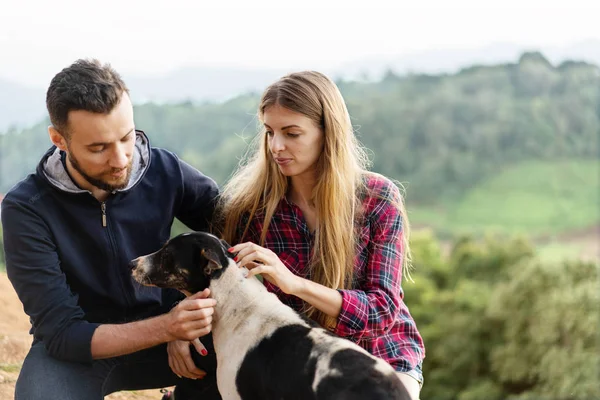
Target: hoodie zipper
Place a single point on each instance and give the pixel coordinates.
(113, 248)
(103, 208)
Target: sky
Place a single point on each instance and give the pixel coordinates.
(40, 37)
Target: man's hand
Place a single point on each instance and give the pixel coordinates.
(189, 320)
(180, 358)
(192, 317)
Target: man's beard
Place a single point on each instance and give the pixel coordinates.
(97, 182)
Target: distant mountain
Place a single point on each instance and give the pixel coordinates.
(24, 106)
(452, 60)
(199, 84)
(20, 106)
(429, 62)
(587, 50)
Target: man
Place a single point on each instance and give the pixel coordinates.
(100, 197)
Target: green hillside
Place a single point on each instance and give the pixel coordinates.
(509, 148)
(534, 198)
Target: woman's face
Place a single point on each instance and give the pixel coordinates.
(295, 141)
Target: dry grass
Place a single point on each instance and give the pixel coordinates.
(15, 341)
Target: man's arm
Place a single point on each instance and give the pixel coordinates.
(198, 199)
(189, 320)
(33, 267)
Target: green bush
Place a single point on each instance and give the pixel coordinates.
(498, 323)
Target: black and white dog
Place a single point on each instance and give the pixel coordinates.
(264, 349)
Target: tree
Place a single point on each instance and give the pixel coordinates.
(498, 324)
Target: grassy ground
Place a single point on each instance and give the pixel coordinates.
(556, 251)
(534, 198)
(15, 342)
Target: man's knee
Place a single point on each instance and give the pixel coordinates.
(43, 377)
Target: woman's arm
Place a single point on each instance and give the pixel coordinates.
(372, 309)
(321, 297)
(369, 310)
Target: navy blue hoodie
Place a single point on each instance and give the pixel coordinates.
(67, 254)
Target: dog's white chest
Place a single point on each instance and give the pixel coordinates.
(244, 317)
(231, 348)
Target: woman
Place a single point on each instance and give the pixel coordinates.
(329, 237)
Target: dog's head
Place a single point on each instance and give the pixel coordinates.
(187, 263)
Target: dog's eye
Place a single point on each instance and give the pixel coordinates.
(164, 257)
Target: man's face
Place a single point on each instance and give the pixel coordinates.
(100, 146)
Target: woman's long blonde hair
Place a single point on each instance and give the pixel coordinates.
(258, 186)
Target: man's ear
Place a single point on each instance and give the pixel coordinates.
(57, 138)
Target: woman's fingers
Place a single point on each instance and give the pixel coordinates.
(199, 347)
(245, 250)
(255, 255)
(239, 247)
(191, 370)
(252, 258)
(256, 259)
(172, 365)
(255, 271)
(266, 271)
(242, 250)
(177, 367)
(180, 359)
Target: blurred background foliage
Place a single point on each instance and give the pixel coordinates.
(500, 166)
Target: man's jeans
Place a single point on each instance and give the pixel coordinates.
(45, 378)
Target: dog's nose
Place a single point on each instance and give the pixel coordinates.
(132, 265)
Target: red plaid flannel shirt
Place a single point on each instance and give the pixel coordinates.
(373, 313)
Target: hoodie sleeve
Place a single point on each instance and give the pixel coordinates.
(33, 267)
(198, 199)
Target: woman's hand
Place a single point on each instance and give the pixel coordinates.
(263, 261)
(180, 358)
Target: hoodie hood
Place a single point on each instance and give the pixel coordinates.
(54, 169)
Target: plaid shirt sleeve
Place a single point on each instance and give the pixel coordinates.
(372, 309)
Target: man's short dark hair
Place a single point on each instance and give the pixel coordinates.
(84, 85)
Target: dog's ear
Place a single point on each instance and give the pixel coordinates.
(225, 245)
(214, 261)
